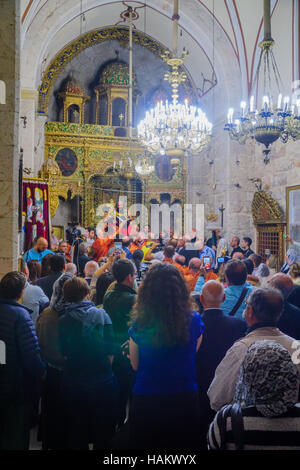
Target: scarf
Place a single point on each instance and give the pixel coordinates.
(268, 379)
(58, 303)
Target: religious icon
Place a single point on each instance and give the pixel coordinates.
(39, 204)
(67, 161)
(29, 204)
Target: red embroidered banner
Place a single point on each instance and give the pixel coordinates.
(35, 212)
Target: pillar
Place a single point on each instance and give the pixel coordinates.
(9, 134)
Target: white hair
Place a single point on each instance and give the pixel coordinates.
(71, 268)
(90, 268)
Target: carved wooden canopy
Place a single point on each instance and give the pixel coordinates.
(265, 209)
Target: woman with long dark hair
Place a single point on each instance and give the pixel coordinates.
(35, 270)
(164, 338)
(103, 282)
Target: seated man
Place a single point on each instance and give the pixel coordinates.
(262, 312)
(169, 256)
(139, 242)
(193, 272)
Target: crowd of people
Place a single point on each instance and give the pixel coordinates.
(143, 343)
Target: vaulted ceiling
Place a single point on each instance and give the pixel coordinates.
(221, 35)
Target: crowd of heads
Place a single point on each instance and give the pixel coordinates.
(167, 270)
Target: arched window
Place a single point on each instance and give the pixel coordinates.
(73, 113)
(118, 110)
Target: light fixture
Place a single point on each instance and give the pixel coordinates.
(143, 167)
(275, 119)
(174, 128)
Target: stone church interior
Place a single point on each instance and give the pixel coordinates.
(150, 206)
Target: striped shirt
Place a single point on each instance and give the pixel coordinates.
(260, 433)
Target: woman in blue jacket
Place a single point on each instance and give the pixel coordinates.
(164, 338)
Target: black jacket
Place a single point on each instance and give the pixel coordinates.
(294, 297)
(289, 321)
(23, 364)
(46, 283)
(220, 332)
(118, 303)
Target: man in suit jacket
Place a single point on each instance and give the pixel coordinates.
(57, 267)
(221, 331)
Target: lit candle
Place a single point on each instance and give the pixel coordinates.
(265, 103)
(243, 106)
(286, 102)
(230, 115)
(251, 104)
(279, 101)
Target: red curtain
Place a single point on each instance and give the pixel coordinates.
(35, 212)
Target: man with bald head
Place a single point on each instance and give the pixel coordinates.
(193, 272)
(39, 250)
(289, 322)
(221, 331)
(89, 270)
(71, 268)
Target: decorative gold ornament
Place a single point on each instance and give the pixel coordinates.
(212, 217)
(265, 209)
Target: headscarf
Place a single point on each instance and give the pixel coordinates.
(58, 303)
(268, 379)
(292, 256)
(263, 270)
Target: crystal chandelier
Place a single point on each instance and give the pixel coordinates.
(174, 128)
(143, 167)
(274, 120)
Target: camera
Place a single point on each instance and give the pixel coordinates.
(72, 233)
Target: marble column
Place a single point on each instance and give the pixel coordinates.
(9, 134)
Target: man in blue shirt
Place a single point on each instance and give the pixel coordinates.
(206, 252)
(39, 250)
(236, 275)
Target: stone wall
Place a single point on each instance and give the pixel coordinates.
(9, 134)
